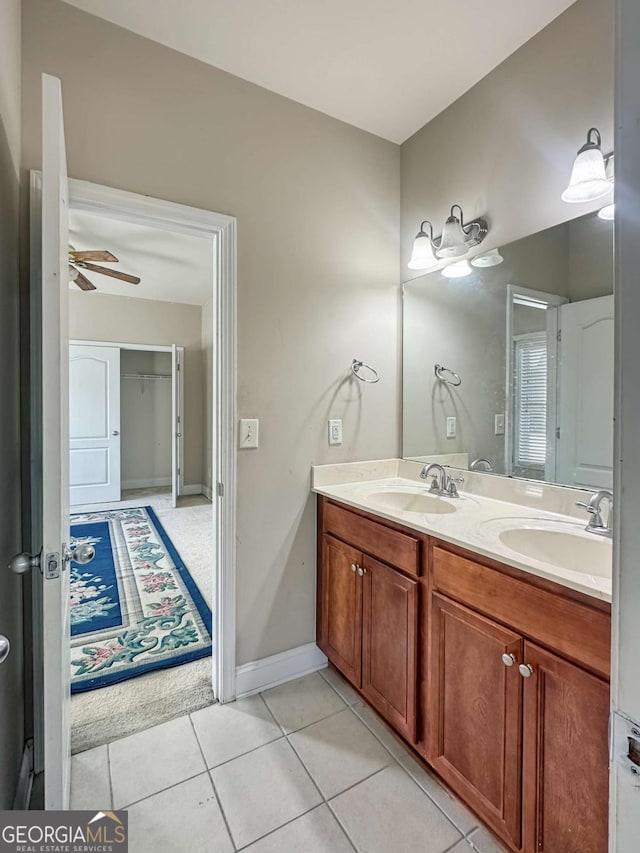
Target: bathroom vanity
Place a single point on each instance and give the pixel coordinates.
(466, 625)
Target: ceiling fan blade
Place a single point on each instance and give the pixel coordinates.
(79, 279)
(97, 255)
(123, 276)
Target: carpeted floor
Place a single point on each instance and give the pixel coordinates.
(113, 712)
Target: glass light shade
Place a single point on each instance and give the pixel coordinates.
(588, 176)
(452, 243)
(489, 259)
(608, 212)
(422, 257)
(459, 269)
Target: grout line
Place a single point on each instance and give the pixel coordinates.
(215, 792)
(286, 823)
(162, 790)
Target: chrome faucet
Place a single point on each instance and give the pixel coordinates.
(441, 482)
(596, 524)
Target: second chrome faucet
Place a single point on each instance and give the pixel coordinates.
(441, 482)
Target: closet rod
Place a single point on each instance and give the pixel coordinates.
(145, 376)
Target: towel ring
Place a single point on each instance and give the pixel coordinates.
(439, 370)
(355, 368)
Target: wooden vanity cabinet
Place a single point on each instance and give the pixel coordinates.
(499, 681)
(368, 614)
(474, 712)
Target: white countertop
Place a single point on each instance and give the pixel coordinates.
(477, 523)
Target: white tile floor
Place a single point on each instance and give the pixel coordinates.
(301, 768)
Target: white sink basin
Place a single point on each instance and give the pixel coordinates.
(585, 553)
(410, 501)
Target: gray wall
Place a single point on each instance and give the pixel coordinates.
(317, 203)
(99, 316)
(505, 148)
(11, 672)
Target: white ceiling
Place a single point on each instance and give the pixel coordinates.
(386, 67)
(173, 267)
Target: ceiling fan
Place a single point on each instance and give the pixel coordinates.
(84, 261)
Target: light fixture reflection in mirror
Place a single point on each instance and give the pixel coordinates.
(607, 212)
(459, 269)
(489, 259)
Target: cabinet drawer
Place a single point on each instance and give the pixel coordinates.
(397, 549)
(573, 630)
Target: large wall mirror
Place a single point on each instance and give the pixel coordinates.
(508, 368)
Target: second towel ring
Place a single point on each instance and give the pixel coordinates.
(439, 370)
(355, 368)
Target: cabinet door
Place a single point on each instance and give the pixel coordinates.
(389, 644)
(566, 760)
(341, 611)
(474, 712)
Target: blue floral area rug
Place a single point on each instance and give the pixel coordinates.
(135, 607)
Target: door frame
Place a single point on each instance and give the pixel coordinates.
(221, 229)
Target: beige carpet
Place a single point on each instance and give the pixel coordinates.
(103, 715)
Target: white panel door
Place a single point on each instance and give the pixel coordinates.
(94, 424)
(585, 397)
(55, 451)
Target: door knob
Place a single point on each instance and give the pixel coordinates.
(525, 670)
(508, 660)
(5, 648)
(81, 554)
(20, 564)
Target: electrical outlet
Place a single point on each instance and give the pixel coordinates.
(249, 433)
(452, 428)
(499, 424)
(335, 431)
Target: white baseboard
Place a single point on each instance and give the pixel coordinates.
(25, 779)
(268, 672)
(146, 484)
(193, 489)
(207, 491)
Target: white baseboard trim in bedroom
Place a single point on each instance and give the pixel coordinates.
(207, 492)
(22, 798)
(145, 484)
(268, 672)
(193, 489)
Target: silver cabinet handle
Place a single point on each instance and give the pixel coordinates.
(354, 568)
(508, 660)
(525, 670)
(5, 648)
(361, 571)
(115, 432)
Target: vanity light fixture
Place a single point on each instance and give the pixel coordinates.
(589, 174)
(458, 269)
(457, 238)
(489, 259)
(608, 212)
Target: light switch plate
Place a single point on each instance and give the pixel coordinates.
(249, 433)
(335, 431)
(499, 424)
(452, 427)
